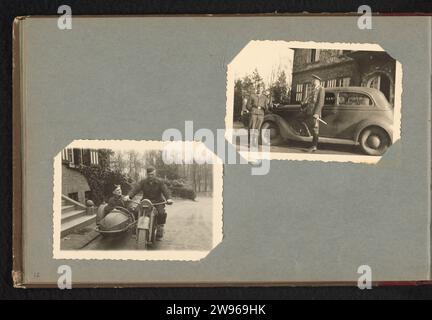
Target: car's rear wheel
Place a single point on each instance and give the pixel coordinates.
(374, 141)
(275, 136)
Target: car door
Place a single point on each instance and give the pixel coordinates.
(351, 108)
(329, 114)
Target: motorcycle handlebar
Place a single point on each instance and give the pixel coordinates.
(154, 204)
(159, 203)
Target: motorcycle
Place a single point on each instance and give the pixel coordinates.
(139, 217)
(147, 223)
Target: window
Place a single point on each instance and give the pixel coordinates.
(354, 99)
(94, 157)
(329, 99)
(73, 196)
(346, 82)
(314, 55)
(68, 156)
(77, 156)
(299, 92)
(331, 83)
(339, 82)
(86, 154)
(306, 89)
(87, 195)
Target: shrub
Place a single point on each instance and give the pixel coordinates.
(180, 189)
(184, 192)
(102, 181)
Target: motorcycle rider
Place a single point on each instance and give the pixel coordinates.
(153, 188)
(312, 105)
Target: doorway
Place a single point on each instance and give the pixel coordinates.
(381, 82)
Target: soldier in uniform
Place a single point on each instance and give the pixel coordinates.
(116, 200)
(257, 104)
(312, 105)
(153, 189)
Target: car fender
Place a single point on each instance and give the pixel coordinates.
(377, 123)
(285, 130)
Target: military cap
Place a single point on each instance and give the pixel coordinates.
(316, 77)
(150, 169)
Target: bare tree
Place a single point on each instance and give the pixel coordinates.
(118, 163)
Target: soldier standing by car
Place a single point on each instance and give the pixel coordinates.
(256, 105)
(154, 189)
(312, 106)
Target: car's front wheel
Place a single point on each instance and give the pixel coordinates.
(374, 141)
(274, 138)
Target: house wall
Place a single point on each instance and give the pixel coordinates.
(333, 64)
(347, 69)
(73, 181)
(378, 65)
(325, 57)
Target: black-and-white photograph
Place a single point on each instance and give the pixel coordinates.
(315, 99)
(130, 199)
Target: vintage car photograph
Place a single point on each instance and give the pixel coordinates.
(116, 199)
(357, 116)
(317, 100)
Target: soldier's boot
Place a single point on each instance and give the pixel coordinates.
(254, 143)
(312, 149)
(160, 232)
(314, 142)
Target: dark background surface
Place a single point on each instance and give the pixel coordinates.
(12, 8)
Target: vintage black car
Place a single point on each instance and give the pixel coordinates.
(352, 115)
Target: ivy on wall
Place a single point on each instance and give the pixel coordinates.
(101, 181)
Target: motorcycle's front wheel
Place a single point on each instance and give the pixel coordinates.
(142, 238)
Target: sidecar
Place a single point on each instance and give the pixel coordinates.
(138, 217)
(118, 221)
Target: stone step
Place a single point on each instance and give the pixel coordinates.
(67, 208)
(76, 224)
(70, 215)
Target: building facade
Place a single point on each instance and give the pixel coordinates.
(341, 68)
(74, 184)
